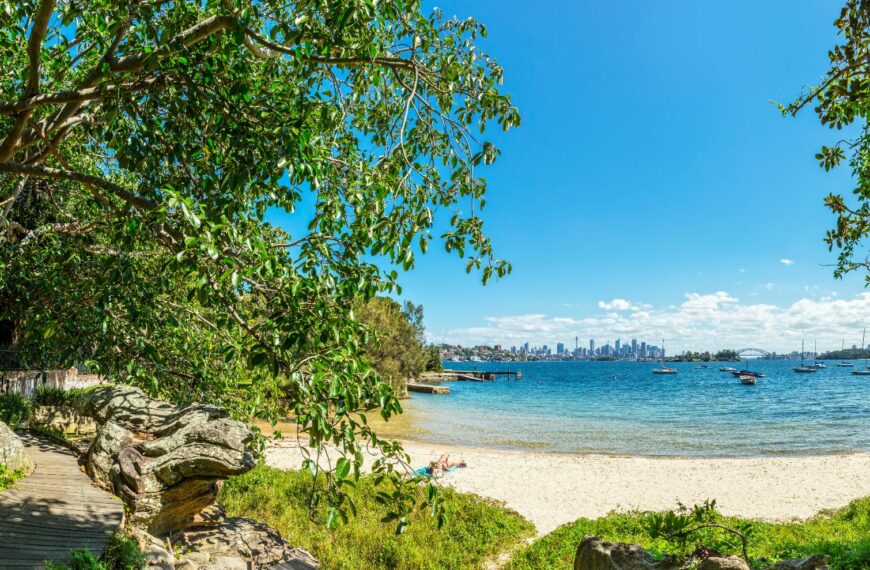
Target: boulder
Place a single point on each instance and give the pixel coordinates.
(596, 554)
(164, 462)
(64, 419)
(12, 453)
(723, 563)
(235, 543)
(814, 562)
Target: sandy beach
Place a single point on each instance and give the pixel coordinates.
(552, 489)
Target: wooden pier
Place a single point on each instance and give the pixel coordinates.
(427, 388)
(485, 375)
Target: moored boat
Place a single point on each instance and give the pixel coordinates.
(747, 379)
(845, 364)
(665, 370)
(862, 372)
(727, 369)
(802, 368)
(740, 373)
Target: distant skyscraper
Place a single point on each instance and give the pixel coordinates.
(634, 347)
(560, 348)
(591, 347)
(526, 347)
(616, 345)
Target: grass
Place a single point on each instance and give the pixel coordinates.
(843, 534)
(9, 477)
(476, 529)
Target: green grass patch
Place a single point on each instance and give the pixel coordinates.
(9, 477)
(843, 534)
(56, 396)
(476, 528)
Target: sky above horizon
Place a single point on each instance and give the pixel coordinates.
(653, 190)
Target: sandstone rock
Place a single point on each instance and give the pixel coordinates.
(12, 451)
(596, 554)
(63, 419)
(164, 462)
(237, 542)
(723, 563)
(814, 562)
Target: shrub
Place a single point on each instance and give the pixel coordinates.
(14, 409)
(56, 396)
(121, 553)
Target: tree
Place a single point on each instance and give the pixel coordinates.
(840, 100)
(394, 350)
(142, 144)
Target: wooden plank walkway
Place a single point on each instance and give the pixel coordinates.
(54, 510)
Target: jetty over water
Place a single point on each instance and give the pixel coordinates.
(427, 388)
(470, 375)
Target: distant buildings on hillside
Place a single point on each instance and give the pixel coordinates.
(618, 351)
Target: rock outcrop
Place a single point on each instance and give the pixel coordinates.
(814, 562)
(12, 451)
(164, 462)
(63, 419)
(723, 563)
(596, 554)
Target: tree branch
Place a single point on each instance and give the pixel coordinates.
(79, 95)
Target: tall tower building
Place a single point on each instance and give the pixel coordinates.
(634, 347)
(591, 347)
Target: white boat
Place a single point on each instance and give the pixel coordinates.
(845, 364)
(662, 369)
(727, 369)
(862, 372)
(747, 379)
(802, 368)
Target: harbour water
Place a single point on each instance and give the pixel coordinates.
(622, 408)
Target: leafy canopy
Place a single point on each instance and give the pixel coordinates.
(142, 144)
(841, 100)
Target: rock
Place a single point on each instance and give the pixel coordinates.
(12, 453)
(64, 419)
(723, 563)
(814, 562)
(596, 554)
(236, 542)
(163, 461)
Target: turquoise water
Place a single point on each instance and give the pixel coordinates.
(622, 408)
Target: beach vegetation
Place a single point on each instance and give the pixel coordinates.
(846, 354)
(475, 529)
(396, 346)
(842, 534)
(147, 150)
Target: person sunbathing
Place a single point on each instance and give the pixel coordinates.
(443, 464)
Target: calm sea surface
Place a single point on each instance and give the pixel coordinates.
(622, 408)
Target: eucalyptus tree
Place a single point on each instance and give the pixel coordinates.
(842, 101)
(144, 142)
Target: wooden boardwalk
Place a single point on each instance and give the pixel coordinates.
(54, 510)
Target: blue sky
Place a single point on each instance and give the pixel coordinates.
(652, 168)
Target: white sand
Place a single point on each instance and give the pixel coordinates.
(552, 489)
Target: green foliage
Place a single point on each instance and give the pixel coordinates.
(684, 527)
(846, 354)
(49, 432)
(14, 409)
(121, 553)
(727, 355)
(79, 560)
(56, 396)
(841, 99)
(475, 528)
(843, 534)
(142, 145)
(9, 477)
(395, 350)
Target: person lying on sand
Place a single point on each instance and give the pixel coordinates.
(438, 468)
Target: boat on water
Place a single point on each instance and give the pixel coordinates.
(727, 369)
(803, 368)
(662, 369)
(819, 365)
(861, 372)
(747, 379)
(740, 373)
(845, 364)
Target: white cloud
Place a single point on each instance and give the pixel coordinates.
(621, 305)
(700, 322)
(786, 261)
